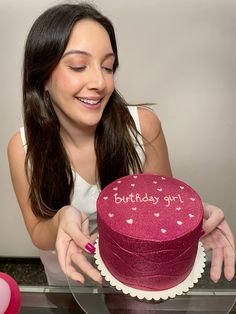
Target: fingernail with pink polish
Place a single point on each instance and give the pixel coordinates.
(90, 248)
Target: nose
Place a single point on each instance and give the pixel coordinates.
(96, 79)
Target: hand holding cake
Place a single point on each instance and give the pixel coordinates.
(218, 238)
(73, 240)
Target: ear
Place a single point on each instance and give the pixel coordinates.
(46, 85)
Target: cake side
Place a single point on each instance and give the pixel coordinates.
(148, 265)
(149, 230)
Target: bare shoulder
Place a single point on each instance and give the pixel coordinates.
(15, 149)
(149, 122)
(16, 159)
(157, 159)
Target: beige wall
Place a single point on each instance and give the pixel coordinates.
(178, 53)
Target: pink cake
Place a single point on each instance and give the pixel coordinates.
(149, 228)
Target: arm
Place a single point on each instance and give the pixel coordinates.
(42, 232)
(157, 159)
(56, 232)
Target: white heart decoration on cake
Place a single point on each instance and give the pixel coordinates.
(182, 187)
(159, 190)
(191, 216)
(119, 181)
(135, 177)
(162, 178)
(155, 182)
(192, 199)
(179, 222)
(110, 215)
(178, 208)
(163, 230)
(129, 221)
(132, 184)
(105, 197)
(134, 208)
(156, 214)
(115, 189)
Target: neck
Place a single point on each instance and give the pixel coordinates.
(76, 136)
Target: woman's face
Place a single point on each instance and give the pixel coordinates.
(82, 83)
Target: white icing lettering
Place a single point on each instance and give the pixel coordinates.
(136, 198)
(181, 201)
(171, 198)
(119, 199)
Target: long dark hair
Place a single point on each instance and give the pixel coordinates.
(47, 165)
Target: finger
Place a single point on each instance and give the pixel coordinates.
(215, 217)
(62, 246)
(207, 243)
(71, 271)
(85, 227)
(229, 263)
(81, 261)
(73, 274)
(81, 240)
(226, 231)
(94, 237)
(216, 264)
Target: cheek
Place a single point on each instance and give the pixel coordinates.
(111, 85)
(67, 82)
(63, 81)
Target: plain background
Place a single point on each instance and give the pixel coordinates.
(180, 54)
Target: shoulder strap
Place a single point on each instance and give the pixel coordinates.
(134, 113)
(23, 138)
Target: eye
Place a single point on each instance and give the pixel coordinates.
(77, 69)
(108, 69)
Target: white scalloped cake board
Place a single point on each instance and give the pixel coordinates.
(193, 277)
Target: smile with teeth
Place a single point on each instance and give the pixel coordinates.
(89, 101)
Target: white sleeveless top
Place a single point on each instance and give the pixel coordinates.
(84, 198)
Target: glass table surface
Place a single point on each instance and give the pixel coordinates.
(205, 297)
(105, 299)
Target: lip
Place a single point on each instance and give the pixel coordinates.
(90, 97)
(90, 106)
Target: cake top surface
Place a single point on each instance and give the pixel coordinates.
(150, 206)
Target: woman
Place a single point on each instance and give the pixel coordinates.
(78, 136)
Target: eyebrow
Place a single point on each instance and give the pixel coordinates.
(85, 53)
